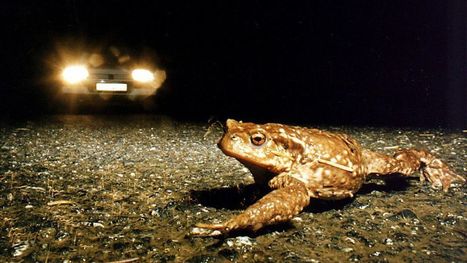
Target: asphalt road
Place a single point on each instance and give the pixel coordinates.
(130, 189)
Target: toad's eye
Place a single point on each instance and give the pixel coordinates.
(258, 138)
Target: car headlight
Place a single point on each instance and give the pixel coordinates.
(142, 75)
(75, 74)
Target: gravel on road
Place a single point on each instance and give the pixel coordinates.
(77, 188)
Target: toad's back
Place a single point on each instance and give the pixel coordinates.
(331, 165)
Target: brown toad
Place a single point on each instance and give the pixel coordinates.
(309, 163)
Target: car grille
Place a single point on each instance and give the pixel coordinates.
(111, 75)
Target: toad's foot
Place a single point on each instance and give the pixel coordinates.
(212, 230)
(279, 205)
(439, 174)
(208, 230)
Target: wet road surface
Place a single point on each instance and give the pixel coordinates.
(130, 189)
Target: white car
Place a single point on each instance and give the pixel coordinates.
(111, 74)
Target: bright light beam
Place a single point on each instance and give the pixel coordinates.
(142, 75)
(75, 74)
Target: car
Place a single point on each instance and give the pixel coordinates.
(110, 72)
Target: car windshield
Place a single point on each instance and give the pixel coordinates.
(109, 57)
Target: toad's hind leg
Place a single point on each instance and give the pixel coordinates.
(407, 161)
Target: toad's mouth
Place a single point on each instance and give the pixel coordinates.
(256, 168)
(261, 173)
(245, 160)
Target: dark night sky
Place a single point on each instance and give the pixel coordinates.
(387, 63)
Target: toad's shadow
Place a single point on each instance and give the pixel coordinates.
(233, 198)
(241, 196)
(392, 183)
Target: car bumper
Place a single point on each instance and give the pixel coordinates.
(131, 89)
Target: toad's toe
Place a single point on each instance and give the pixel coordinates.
(208, 230)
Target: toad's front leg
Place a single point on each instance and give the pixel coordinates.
(280, 205)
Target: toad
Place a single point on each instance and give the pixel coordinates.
(301, 163)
